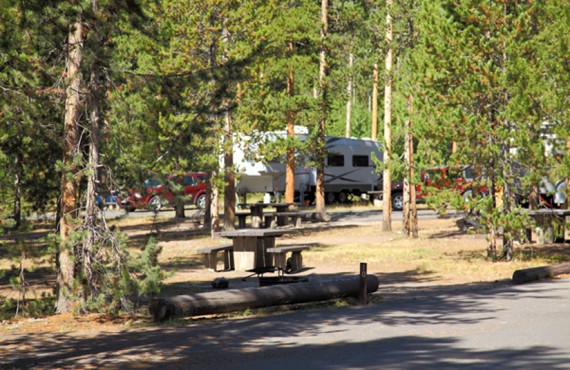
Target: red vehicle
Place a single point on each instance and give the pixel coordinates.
(157, 193)
(459, 179)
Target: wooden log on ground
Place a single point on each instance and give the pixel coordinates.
(241, 299)
(539, 273)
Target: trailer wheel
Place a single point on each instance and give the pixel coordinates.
(330, 198)
(343, 197)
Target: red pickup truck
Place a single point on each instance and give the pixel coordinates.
(459, 178)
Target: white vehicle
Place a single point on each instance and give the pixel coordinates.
(349, 169)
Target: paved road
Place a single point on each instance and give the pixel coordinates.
(484, 327)
(375, 215)
(345, 215)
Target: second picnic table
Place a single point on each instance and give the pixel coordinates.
(544, 221)
(256, 210)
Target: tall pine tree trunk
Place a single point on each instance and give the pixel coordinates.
(18, 170)
(387, 180)
(215, 209)
(215, 192)
(508, 196)
(229, 176)
(290, 171)
(65, 260)
(375, 103)
(320, 208)
(349, 96)
(91, 208)
(410, 215)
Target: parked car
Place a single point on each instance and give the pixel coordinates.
(157, 193)
(459, 179)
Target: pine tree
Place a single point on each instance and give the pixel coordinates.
(29, 144)
(475, 71)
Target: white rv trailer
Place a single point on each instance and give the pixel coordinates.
(349, 169)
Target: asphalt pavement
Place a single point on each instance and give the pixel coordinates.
(470, 327)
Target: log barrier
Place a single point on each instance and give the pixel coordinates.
(232, 300)
(539, 273)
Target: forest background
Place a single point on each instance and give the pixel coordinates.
(100, 95)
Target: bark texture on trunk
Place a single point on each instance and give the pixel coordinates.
(410, 216)
(229, 177)
(91, 207)
(65, 260)
(290, 171)
(17, 210)
(320, 206)
(375, 103)
(349, 97)
(387, 178)
(215, 211)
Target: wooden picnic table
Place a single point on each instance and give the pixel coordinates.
(250, 247)
(544, 218)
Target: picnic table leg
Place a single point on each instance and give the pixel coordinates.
(529, 233)
(229, 260)
(269, 221)
(256, 216)
(281, 261)
(282, 220)
(264, 258)
(297, 221)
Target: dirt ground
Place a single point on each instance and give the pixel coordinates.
(443, 255)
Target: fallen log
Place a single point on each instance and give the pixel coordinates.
(241, 299)
(539, 273)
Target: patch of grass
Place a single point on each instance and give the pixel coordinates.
(423, 268)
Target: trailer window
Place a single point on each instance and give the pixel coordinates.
(335, 160)
(360, 161)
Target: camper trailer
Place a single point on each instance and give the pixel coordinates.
(349, 169)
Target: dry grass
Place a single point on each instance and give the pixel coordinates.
(440, 255)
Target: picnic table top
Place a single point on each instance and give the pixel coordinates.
(253, 232)
(264, 204)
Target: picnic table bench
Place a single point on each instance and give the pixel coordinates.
(211, 256)
(273, 219)
(296, 260)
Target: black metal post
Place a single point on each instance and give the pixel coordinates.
(363, 295)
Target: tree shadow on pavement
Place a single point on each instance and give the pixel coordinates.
(430, 331)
